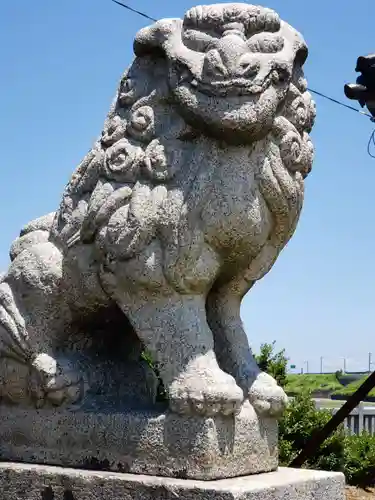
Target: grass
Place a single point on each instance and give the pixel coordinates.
(351, 388)
(336, 403)
(313, 383)
(296, 384)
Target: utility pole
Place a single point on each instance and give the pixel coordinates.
(344, 365)
(321, 364)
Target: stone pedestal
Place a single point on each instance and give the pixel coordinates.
(141, 442)
(35, 482)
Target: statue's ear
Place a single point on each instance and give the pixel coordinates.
(296, 43)
(154, 39)
(302, 54)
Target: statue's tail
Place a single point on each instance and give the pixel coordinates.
(36, 231)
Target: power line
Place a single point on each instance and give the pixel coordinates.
(133, 10)
(341, 103)
(372, 136)
(371, 141)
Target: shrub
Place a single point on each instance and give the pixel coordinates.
(360, 460)
(301, 419)
(354, 455)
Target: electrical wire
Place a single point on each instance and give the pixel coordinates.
(341, 103)
(372, 136)
(371, 141)
(133, 10)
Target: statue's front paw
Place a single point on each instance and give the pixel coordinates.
(266, 396)
(206, 394)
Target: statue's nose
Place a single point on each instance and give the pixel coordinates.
(246, 66)
(231, 59)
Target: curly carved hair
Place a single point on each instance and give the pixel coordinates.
(134, 161)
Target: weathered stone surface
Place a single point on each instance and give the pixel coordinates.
(107, 359)
(184, 202)
(30, 239)
(27, 482)
(41, 224)
(193, 189)
(148, 442)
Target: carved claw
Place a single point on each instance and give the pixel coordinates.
(52, 384)
(206, 395)
(266, 396)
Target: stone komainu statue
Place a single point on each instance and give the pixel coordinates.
(185, 201)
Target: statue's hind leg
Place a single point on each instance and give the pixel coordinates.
(32, 316)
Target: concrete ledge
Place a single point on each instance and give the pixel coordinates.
(141, 442)
(34, 482)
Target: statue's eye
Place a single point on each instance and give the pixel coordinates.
(280, 76)
(283, 76)
(213, 64)
(198, 41)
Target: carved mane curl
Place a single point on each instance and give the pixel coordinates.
(136, 164)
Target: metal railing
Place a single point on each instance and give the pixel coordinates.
(361, 419)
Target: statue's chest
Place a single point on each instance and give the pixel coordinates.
(235, 213)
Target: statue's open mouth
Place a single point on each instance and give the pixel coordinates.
(234, 87)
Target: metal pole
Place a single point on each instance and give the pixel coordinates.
(369, 362)
(321, 364)
(344, 365)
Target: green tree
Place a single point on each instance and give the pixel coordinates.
(274, 363)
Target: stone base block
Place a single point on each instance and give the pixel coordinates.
(35, 482)
(141, 442)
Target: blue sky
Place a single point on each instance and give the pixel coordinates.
(60, 64)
